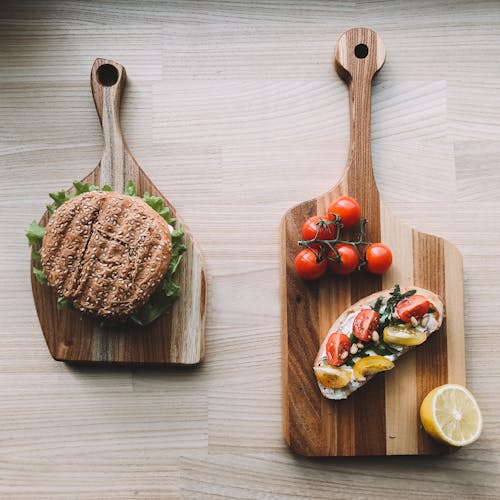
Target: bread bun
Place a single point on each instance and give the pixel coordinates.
(106, 252)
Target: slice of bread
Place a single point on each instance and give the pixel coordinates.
(343, 324)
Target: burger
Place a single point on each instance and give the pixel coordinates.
(108, 254)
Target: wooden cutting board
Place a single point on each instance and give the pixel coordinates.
(381, 418)
(176, 338)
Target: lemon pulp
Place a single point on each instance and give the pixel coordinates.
(449, 413)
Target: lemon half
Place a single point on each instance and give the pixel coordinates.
(449, 413)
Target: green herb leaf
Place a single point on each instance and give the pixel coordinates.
(171, 289)
(40, 276)
(63, 303)
(177, 234)
(155, 202)
(106, 188)
(81, 188)
(395, 297)
(59, 198)
(35, 255)
(378, 305)
(168, 291)
(174, 264)
(130, 188)
(165, 213)
(158, 305)
(35, 234)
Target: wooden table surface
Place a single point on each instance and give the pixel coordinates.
(236, 114)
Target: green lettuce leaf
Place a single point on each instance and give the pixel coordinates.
(35, 234)
(168, 290)
(63, 303)
(155, 202)
(40, 276)
(59, 198)
(130, 188)
(36, 256)
(81, 188)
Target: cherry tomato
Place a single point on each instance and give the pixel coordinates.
(414, 305)
(311, 226)
(365, 323)
(349, 259)
(307, 266)
(336, 346)
(347, 209)
(378, 258)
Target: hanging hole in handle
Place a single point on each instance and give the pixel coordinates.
(107, 75)
(361, 51)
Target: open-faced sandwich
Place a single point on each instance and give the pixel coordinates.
(371, 335)
(108, 254)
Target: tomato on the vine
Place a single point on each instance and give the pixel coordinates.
(308, 266)
(378, 258)
(337, 348)
(347, 208)
(314, 227)
(349, 259)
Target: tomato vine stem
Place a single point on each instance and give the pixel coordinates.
(320, 247)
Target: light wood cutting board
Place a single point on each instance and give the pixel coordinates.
(175, 338)
(381, 418)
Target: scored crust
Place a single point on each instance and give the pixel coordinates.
(106, 252)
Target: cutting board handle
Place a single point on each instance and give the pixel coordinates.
(359, 55)
(107, 80)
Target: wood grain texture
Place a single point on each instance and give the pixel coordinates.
(314, 425)
(175, 338)
(238, 98)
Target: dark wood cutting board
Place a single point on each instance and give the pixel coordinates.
(176, 338)
(381, 418)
